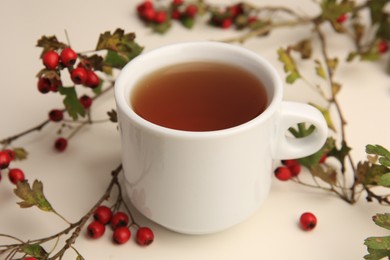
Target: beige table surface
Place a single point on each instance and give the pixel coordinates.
(75, 179)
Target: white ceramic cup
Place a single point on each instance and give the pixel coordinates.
(205, 182)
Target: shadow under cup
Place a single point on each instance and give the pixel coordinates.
(197, 182)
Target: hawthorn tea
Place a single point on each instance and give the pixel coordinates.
(199, 96)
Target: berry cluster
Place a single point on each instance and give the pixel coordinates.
(120, 224)
(55, 62)
(160, 17)
(14, 174)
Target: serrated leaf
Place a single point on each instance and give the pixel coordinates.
(379, 243)
(382, 220)
(20, 153)
(113, 116)
(325, 173)
(378, 150)
(314, 159)
(320, 69)
(304, 47)
(122, 45)
(335, 88)
(32, 196)
(332, 9)
(71, 102)
(326, 113)
(289, 66)
(34, 250)
(49, 43)
(370, 174)
(340, 154)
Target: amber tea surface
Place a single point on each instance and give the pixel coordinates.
(199, 96)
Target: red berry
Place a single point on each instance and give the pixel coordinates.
(252, 19)
(307, 221)
(177, 2)
(175, 14)
(383, 46)
(29, 258)
(295, 169)
(68, 57)
(121, 235)
(226, 23)
(191, 10)
(11, 154)
(55, 83)
(144, 6)
(342, 18)
(15, 175)
(56, 115)
(79, 75)
(44, 85)
(103, 214)
(148, 14)
(50, 59)
(235, 10)
(95, 229)
(160, 17)
(60, 144)
(283, 173)
(323, 158)
(5, 160)
(290, 162)
(86, 101)
(92, 79)
(119, 219)
(145, 236)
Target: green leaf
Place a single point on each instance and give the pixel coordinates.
(304, 47)
(326, 113)
(378, 247)
(32, 196)
(340, 154)
(377, 10)
(325, 173)
(187, 22)
(289, 66)
(370, 174)
(34, 250)
(121, 44)
(378, 150)
(71, 102)
(114, 60)
(20, 153)
(320, 69)
(385, 180)
(382, 220)
(314, 159)
(332, 9)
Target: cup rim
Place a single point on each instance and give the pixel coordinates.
(122, 102)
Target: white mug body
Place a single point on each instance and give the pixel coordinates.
(205, 182)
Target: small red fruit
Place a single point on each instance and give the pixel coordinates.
(383, 46)
(92, 79)
(191, 10)
(226, 23)
(145, 236)
(86, 101)
(177, 2)
(121, 235)
(283, 173)
(51, 59)
(95, 229)
(68, 57)
(176, 14)
(79, 75)
(60, 144)
(103, 214)
(30, 258)
(5, 160)
(11, 154)
(307, 221)
(44, 85)
(160, 17)
(15, 175)
(323, 158)
(144, 6)
(342, 18)
(148, 14)
(119, 219)
(56, 115)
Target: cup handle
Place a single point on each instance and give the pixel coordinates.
(290, 114)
